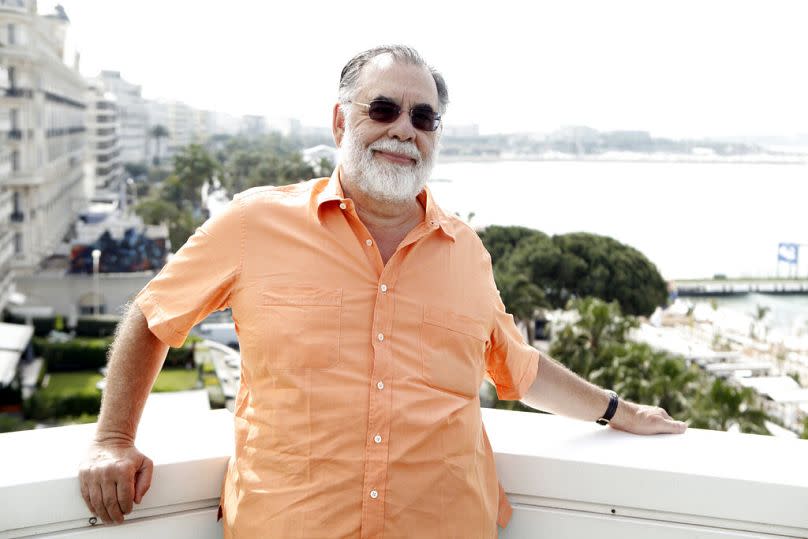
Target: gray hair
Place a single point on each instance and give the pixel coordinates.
(350, 73)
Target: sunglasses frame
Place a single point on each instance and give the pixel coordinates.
(436, 121)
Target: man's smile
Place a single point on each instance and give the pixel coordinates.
(394, 157)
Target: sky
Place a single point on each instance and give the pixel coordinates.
(675, 68)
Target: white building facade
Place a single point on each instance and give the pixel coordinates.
(105, 166)
(43, 109)
(132, 116)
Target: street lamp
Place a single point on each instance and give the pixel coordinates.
(131, 183)
(96, 259)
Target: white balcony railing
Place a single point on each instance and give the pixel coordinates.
(566, 479)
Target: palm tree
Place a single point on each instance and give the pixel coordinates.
(721, 405)
(520, 296)
(158, 132)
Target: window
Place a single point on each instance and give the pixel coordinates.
(18, 242)
(15, 161)
(11, 36)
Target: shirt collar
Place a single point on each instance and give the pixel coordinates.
(331, 191)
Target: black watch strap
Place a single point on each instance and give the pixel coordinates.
(610, 410)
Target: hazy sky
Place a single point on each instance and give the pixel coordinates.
(675, 68)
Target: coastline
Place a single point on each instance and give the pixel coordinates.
(756, 159)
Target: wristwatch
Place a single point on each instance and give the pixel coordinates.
(610, 410)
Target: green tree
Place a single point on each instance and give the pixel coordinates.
(579, 265)
(193, 167)
(602, 267)
(158, 132)
(155, 211)
(501, 240)
(181, 228)
(239, 167)
(520, 296)
(135, 170)
(590, 343)
(640, 374)
(596, 347)
(720, 405)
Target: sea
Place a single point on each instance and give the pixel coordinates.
(691, 219)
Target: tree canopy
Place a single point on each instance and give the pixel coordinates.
(577, 265)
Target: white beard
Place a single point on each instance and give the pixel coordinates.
(382, 180)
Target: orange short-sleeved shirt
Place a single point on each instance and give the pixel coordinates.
(358, 413)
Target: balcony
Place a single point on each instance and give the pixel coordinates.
(565, 479)
(18, 92)
(13, 5)
(6, 254)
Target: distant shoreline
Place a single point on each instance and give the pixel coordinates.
(649, 158)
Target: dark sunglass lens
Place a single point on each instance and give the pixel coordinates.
(424, 119)
(383, 111)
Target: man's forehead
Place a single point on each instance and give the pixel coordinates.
(386, 76)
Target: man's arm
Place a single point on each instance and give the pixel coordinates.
(560, 391)
(115, 474)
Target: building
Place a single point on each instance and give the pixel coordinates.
(42, 105)
(157, 147)
(461, 131)
(226, 124)
(104, 165)
(253, 126)
(180, 126)
(6, 194)
(132, 116)
(204, 125)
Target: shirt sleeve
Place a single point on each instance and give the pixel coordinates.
(511, 363)
(197, 279)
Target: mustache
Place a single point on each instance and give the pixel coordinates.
(397, 146)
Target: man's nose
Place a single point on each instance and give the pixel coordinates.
(402, 128)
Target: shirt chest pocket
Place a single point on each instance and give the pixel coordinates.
(301, 327)
(452, 351)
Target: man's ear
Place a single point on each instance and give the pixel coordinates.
(338, 125)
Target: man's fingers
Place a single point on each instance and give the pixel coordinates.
(671, 426)
(680, 426)
(143, 479)
(126, 492)
(109, 493)
(97, 500)
(85, 490)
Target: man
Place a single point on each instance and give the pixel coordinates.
(367, 320)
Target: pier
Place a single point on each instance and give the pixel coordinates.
(741, 287)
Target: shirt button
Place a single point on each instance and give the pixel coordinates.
(380, 336)
(374, 494)
(380, 384)
(377, 439)
(343, 206)
(368, 242)
(383, 288)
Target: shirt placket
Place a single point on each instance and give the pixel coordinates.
(381, 392)
(379, 407)
(376, 451)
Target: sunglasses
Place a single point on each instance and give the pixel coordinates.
(422, 117)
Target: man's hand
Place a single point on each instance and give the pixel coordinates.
(114, 475)
(643, 419)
